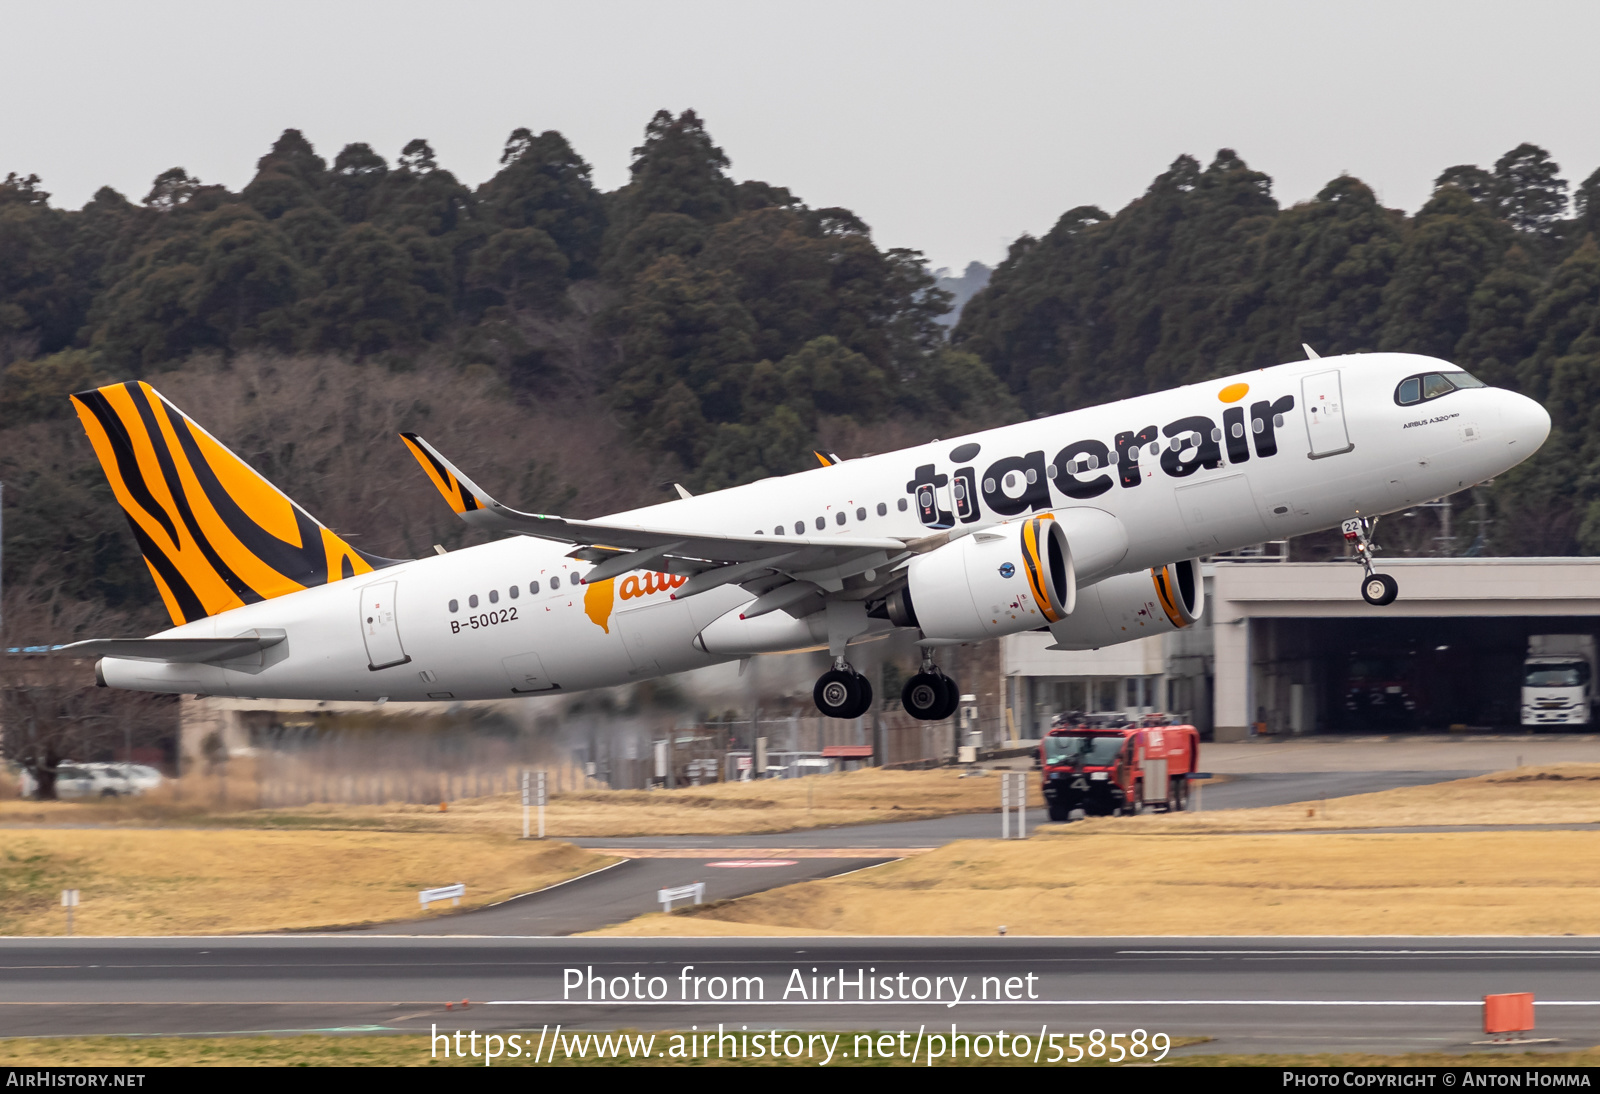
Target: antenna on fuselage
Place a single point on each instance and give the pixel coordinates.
(1311, 354)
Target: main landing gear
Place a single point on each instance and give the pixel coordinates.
(1378, 589)
(930, 695)
(842, 692)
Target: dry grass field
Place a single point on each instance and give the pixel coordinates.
(1088, 882)
(1553, 794)
(774, 805)
(194, 881)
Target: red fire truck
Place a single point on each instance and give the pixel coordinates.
(1111, 767)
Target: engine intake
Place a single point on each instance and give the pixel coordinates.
(999, 581)
(1128, 606)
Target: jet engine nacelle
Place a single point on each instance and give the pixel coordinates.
(1128, 606)
(1016, 577)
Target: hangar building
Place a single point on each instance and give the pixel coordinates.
(1291, 648)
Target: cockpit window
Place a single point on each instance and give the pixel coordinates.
(1432, 385)
(1435, 385)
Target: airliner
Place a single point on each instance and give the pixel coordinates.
(1088, 524)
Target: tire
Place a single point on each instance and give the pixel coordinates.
(924, 696)
(952, 696)
(865, 703)
(1059, 813)
(838, 693)
(1380, 589)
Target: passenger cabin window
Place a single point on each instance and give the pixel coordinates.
(515, 592)
(494, 596)
(799, 527)
(861, 514)
(902, 505)
(472, 601)
(555, 582)
(822, 522)
(883, 510)
(839, 517)
(533, 588)
(455, 606)
(1432, 385)
(778, 531)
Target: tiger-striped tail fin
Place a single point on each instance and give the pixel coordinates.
(215, 534)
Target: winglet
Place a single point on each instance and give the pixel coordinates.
(472, 503)
(462, 493)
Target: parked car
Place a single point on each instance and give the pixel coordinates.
(96, 780)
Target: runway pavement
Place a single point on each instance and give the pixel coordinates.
(1245, 791)
(624, 891)
(1248, 994)
(656, 862)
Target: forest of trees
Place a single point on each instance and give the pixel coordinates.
(588, 349)
(1205, 275)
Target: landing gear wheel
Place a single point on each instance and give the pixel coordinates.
(926, 696)
(866, 696)
(952, 696)
(842, 693)
(1379, 589)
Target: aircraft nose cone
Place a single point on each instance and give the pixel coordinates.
(1527, 423)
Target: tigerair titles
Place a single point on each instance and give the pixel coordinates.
(1013, 485)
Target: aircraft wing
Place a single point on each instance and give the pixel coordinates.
(622, 547)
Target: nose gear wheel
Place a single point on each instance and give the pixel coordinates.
(1377, 589)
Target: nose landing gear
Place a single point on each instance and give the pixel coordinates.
(842, 692)
(930, 695)
(1376, 589)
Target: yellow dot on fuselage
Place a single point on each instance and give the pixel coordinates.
(1233, 393)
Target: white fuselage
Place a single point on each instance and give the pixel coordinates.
(1219, 495)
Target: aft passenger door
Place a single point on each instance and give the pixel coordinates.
(1323, 401)
(380, 627)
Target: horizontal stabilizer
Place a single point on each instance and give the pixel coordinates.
(173, 651)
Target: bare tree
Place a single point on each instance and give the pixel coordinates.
(51, 709)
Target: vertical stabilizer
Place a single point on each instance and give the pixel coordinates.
(215, 534)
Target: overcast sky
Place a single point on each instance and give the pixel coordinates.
(948, 127)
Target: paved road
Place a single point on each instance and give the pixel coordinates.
(624, 891)
(1241, 792)
(1250, 994)
(1407, 752)
(629, 889)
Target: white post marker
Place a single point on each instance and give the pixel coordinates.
(452, 893)
(696, 890)
(524, 803)
(1013, 795)
(69, 901)
(541, 804)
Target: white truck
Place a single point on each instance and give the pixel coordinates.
(1558, 680)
